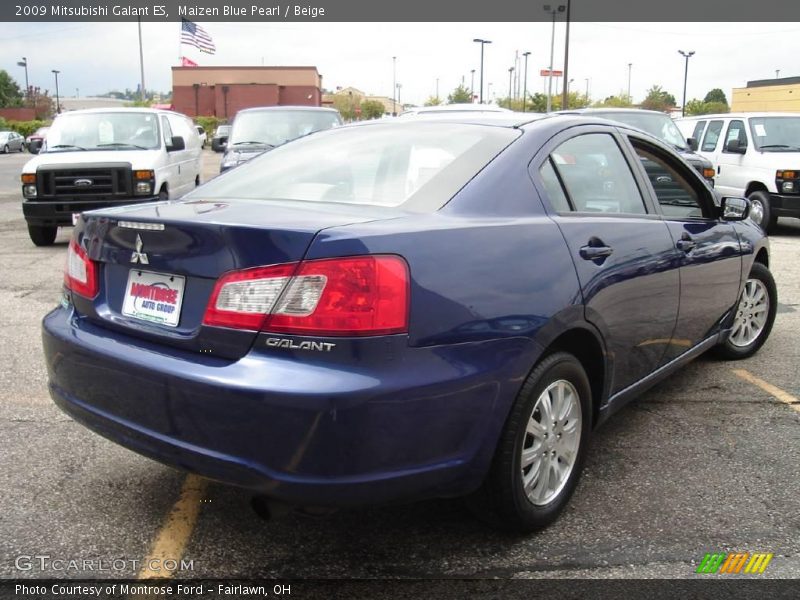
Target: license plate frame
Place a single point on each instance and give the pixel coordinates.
(154, 302)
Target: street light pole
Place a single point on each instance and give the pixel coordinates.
(587, 90)
(437, 88)
(399, 87)
(472, 87)
(24, 63)
(510, 75)
(687, 56)
(552, 11)
(629, 81)
(394, 86)
(525, 83)
(58, 102)
(564, 98)
(482, 43)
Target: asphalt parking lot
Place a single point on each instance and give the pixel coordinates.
(707, 461)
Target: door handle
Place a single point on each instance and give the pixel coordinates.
(686, 243)
(595, 252)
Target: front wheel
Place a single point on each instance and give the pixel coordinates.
(540, 453)
(42, 235)
(760, 210)
(5, 149)
(755, 315)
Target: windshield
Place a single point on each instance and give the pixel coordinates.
(776, 134)
(103, 131)
(275, 127)
(223, 130)
(420, 165)
(657, 125)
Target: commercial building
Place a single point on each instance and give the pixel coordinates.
(222, 91)
(777, 95)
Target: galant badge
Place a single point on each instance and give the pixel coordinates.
(138, 255)
(82, 182)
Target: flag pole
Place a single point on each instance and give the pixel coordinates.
(141, 58)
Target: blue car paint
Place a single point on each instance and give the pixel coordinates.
(395, 417)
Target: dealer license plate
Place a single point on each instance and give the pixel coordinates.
(154, 297)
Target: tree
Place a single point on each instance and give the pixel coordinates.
(698, 107)
(658, 99)
(347, 104)
(432, 101)
(621, 100)
(574, 100)
(460, 95)
(10, 94)
(372, 109)
(716, 95)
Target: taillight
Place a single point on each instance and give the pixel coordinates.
(354, 296)
(80, 273)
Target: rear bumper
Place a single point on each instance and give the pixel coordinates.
(59, 212)
(416, 427)
(785, 205)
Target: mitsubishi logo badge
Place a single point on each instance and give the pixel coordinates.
(138, 255)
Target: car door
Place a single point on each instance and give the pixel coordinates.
(708, 247)
(623, 253)
(732, 174)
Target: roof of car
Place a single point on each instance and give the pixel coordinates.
(119, 109)
(600, 109)
(732, 115)
(285, 108)
(498, 119)
(447, 108)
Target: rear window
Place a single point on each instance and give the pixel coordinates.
(418, 166)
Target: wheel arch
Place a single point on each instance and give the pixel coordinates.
(755, 186)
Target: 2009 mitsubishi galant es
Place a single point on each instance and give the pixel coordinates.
(406, 309)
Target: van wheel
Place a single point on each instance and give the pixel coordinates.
(760, 211)
(755, 315)
(197, 181)
(42, 235)
(541, 450)
(163, 194)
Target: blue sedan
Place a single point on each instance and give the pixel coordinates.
(402, 310)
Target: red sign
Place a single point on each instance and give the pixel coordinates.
(546, 72)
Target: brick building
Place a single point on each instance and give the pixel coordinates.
(221, 91)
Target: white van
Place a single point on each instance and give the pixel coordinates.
(755, 155)
(106, 157)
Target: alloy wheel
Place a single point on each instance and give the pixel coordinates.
(751, 314)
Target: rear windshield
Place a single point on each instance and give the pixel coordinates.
(415, 165)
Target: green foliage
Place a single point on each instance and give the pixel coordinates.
(25, 128)
(210, 124)
(621, 100)
(658, 99)
(10, 94)
(716, 95)
(432, 101)
(698, 107)
(460, 95)
(372, 109)
(347, 104)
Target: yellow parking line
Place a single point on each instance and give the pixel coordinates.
(176, 530)
(774, 391)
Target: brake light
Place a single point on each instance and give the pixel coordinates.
(80, 272)
(351, 296)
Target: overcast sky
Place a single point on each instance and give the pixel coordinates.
(98, 57)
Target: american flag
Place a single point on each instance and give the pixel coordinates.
(194, 35)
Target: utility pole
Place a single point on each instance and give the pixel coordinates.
(482, 43)
(141, 59)
(394, 86)
(564, 98)
(472, 87)
(24, 63)
(552, 11)
(525, 84)
(629, 81)
(510, 74)
(58, 101)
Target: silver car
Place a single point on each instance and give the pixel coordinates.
(11, 141)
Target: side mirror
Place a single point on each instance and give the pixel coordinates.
(692, 142)
(176, 143)
(734, 208)
(735, 147)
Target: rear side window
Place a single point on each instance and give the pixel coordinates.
(597, 176)
(698, 130)
(712, 135)
(555, 193)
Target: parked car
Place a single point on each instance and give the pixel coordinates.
(256, 130)
(406, 309)
(453, 108)
(658, 124)
(11, 141)
(757, 156)
(201, 135)
(34, 141)
(220, 139)
(107, 157)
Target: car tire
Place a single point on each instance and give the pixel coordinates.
(514, 496)
(42, 235)
(5, 149)
(163, 194)
(760, 295)
(759, 201)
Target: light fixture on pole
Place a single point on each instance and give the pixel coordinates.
(564, 99)
(552, 10)
(482, 43)
(687, 56)
(525, 83)
(58, 103)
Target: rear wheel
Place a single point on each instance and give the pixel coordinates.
(540, 453)
(5, 149)
(760, 211)
(755, 315)
(42, 235)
